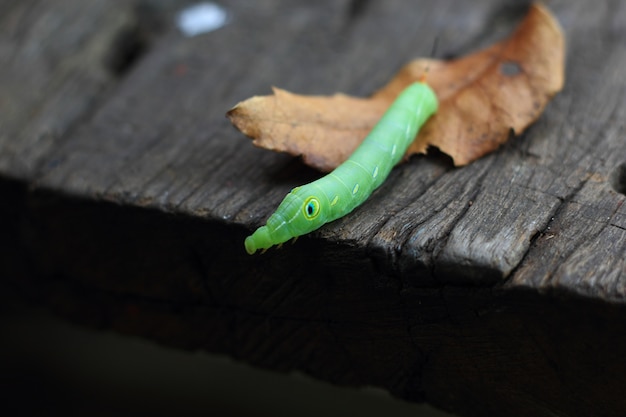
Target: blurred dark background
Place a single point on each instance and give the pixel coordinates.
(50, 367)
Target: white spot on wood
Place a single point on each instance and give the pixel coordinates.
(201, 18)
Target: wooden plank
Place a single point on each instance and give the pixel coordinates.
(55, 62)
(493, 289)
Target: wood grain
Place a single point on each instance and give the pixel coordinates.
(55, 62)
(493, 289)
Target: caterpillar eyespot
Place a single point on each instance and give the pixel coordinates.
(311, 208)
(308, 207)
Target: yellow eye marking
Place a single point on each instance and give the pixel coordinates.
(355, 189)
(311, 208)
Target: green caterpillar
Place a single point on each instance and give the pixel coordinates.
(308, 207)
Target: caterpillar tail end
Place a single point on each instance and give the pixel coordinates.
(260, 239)
(250, 246)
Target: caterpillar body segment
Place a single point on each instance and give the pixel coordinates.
(308, 207)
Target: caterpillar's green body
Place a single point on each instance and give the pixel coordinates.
(310, 206)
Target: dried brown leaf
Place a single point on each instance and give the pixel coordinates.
(483, 96)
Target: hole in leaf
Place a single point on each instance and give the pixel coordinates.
(510, 68)
(618, 178)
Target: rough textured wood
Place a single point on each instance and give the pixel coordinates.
(495, 289)
(55, 61)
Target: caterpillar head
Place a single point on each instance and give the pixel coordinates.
(300, 212)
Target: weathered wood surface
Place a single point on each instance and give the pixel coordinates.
(494, 289)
